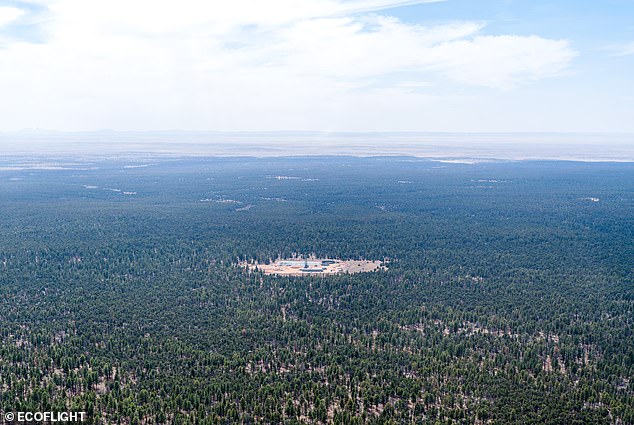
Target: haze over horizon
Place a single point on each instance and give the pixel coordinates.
(473, 146)
(317, 65)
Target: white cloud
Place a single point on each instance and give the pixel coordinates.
(9, 15)
(503, 61)
(249, 64)
(342, 48)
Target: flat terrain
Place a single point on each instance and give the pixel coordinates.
(507, 299)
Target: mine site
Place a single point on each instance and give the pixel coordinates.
(316, 266)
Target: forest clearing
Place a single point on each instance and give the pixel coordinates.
(299, 267)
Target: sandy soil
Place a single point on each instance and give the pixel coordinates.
(296, 267)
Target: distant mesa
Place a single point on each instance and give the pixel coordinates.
(315, 266)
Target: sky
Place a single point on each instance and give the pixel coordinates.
(322, 65)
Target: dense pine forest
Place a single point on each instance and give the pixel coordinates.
(508, 298)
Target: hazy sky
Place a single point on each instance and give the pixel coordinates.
(328, 65)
